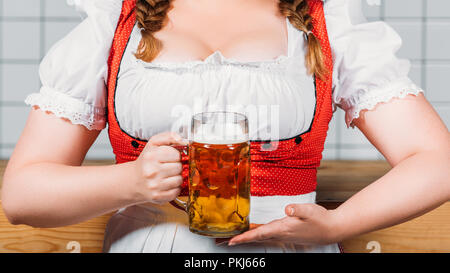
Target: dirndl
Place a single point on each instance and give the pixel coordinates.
(150, 228)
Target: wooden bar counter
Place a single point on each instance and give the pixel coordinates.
(337, 181)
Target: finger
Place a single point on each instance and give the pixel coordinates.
(172, 182)
(171, 169)
(261, 233)
(166, 138)
(302, 211)
(166, 154)
(255, 235)
(220, 241)
(170, 195)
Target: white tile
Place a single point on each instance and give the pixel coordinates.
(438, 40)
(371, 11)
(349, 136)
(332, 129)
(6, 152)
(103, 138)
(359, 154)
(93, 154)
(59, 8)
(437, 75)
(19, 80)
(403, 8)
(330, 154)
(415, 74)
(411, 33)
(12, 123)
(381, 157)
(100, 153)
(101, 149)
(21, 8)
(20, 40)
(55, 31)
(438, 8)
(444, 113)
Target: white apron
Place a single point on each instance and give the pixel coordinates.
(165, 229)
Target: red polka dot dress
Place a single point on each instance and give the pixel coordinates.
(92, 78)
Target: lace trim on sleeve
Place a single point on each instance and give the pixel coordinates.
(368, 99)
(63, 106)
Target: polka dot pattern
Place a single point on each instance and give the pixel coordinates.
(289, 169)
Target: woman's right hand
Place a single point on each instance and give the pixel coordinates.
(158, 170)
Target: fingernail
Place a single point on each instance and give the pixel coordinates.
(291, 211)
(232, 243)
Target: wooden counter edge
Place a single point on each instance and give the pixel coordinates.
(428, 233)
(337, 181)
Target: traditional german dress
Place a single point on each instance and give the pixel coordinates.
(92, 78)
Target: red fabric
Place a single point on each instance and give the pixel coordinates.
(290, 169)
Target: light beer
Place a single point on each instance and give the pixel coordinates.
(219, 188)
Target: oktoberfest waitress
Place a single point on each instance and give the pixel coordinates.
(131, 62)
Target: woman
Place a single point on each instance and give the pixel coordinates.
(131, 62)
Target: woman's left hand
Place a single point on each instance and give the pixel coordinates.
(304, 224)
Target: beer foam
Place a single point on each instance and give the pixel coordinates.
(220, 133)
(219, 142)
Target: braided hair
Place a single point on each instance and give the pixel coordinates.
(297, 11)
(151, 16)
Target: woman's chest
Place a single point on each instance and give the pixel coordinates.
(244, 30)
(277, 95)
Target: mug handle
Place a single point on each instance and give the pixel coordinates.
(177, 203)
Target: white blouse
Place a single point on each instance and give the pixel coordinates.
(150, 97)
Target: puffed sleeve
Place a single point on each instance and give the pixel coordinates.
(366, 70)
(74, 71)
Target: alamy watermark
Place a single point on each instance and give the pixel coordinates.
(263, 122)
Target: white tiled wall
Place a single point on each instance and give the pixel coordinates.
(424, 26)
(28, 28)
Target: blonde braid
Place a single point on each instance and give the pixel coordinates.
(297, 11)
(151, 16)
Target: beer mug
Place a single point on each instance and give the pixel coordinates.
(218, 204)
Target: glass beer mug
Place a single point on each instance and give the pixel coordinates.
(219, 175)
